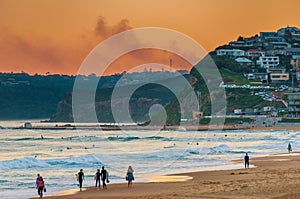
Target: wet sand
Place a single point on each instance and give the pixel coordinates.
(275, 176)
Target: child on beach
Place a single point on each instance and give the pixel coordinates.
(97, 177)
(246, 159)
(129, 176)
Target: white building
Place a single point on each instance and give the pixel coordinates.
(231, 52)
(243, 61)
(268, 61)
(263, 77)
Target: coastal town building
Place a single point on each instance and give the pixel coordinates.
(279, 77)
(268, 38)
(250, 42)
(268, 56)
(233, 53)
(275, 52)
(268, 61)
(254, 53)
(293, 32)
(263, 77)
(277, 69)
(243, 61)
(294, 52)
(293, 103)
(281, 45)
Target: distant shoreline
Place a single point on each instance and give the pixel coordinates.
(114, 127)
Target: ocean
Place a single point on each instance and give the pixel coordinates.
(59, 154)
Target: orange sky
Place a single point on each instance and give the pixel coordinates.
(39, 36)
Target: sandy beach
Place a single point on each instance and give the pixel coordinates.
(274, 176)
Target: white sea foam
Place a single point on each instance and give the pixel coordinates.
(57, 157)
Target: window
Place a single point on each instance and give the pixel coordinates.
(275, 76)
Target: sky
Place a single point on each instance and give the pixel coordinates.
(55, 36)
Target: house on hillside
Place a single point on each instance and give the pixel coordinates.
(278, 74)
(274, 52)
(293, 103)
(280, 45)
(262, 77)
(276, 69)
(279, 77)
(293, 32)
(268, 38)
(254, 53)
(243, 61)
(268, 61)
(250, 42)
(295, 52)
(233, 53)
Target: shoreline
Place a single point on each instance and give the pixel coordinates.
(273, 176)
(168, 128)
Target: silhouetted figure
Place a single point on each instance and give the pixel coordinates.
(37, 181)
(98, 177)
(246, 158)
(80, 178)
(104, 177)
(289, 148)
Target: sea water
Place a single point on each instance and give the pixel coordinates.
(59, 154)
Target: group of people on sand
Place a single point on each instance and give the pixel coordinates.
(103, 176)
(99, 176)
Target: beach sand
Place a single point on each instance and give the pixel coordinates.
(274, 176)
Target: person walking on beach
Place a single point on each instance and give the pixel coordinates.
(41, 186)
(104, 177)
(129, 176)
(80, 178)
(246, 159)
(289, 148)
(98, 177)
(37, 180)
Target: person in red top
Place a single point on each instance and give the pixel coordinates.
(41, 186)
